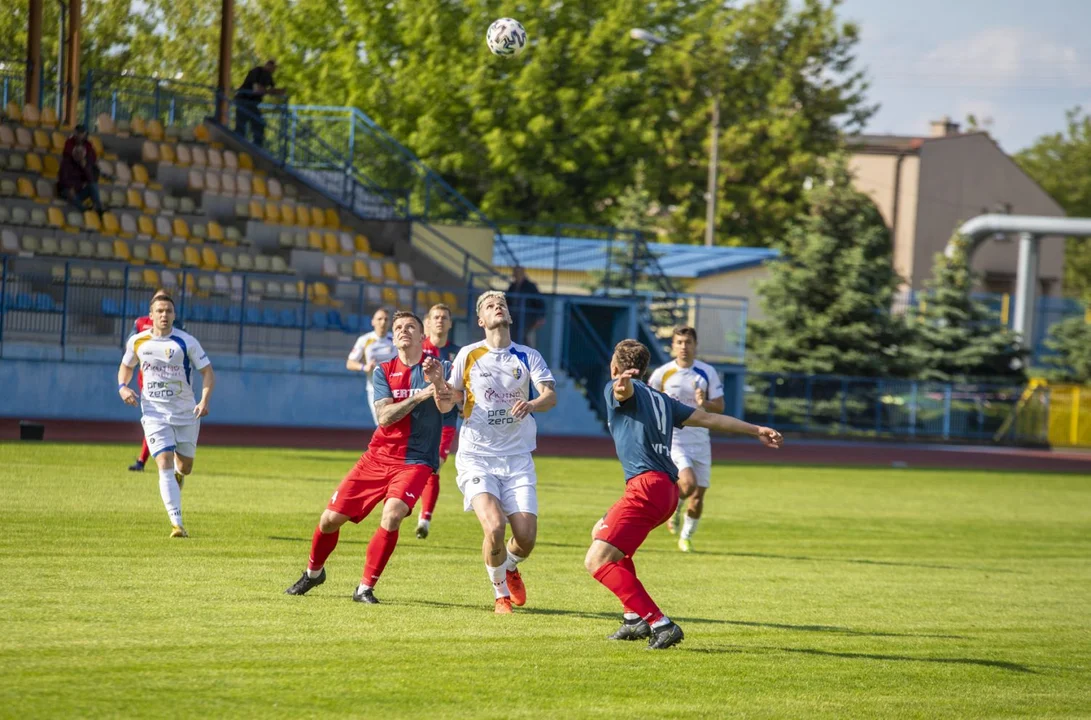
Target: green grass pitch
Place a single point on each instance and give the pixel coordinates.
(815, 592)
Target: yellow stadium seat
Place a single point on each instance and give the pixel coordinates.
(31, 116)
(55, 218)
(215, 231)
(145, 226)
(121, 250)
(13, 112)
(450, 300)
(314, 240)
(201, 134)
(318, 218)
(137, 126)
(154, 130)
(157, 253)
(433, 297)
(41, 141)
(49, 117)
(209, 261)
(332, 220)
(390, 296)
(180, 228)
(332, 246)
(149, 277)
(362, 244)
(140, 175)
(51, 167)
(134, 199)
(34, 163)
(272, 213)
(91, 221)
(302, 216)
(359, 270)
(245, 161)
(258, 186)
(110, 224)
(287, 214)
(191, 257)
(166, 154)
(257, 210)
(390, 271)
(57, 141)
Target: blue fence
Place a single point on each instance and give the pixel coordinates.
(847, 406)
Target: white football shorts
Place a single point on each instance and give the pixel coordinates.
(162, 437)
(698, 457)
(512, 480)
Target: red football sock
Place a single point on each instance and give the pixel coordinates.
(322, 545)
(145, 453)
(429, 496)
(622, 581)
(379, 551)
(627, 563)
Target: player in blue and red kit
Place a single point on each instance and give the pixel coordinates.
(642, 422)
(411, 396)
(436, 344)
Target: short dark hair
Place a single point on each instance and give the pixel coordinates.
(685, 331)
(407, 314)
(632, 355)
(161, 296)
(80, 129)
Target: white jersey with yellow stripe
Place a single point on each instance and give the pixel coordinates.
(681, 383)
(167, 364)
(370, 347)
(494, 379)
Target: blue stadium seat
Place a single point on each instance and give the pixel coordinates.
(350, 322)
(253, 316)
(134, 309)
(197, 313)
(111, 307)
(289, 318)
(217, 314)
(43, 302)
(23, 301)
(234, 314)
(270, 317)
(335, 318)
(320, 320)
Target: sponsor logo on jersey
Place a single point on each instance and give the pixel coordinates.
(503, 396)
(400, 394)
(397, 374)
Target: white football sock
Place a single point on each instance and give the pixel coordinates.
(631, 616)
(360, 590)
(498, 576)
(424, 523)
(172, 496)
(678, 510)
(312, 574)
(661, 622)
(689, 526)
(513, 561)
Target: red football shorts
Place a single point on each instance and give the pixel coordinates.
(370, 482)
(445, 439)
(649, 500)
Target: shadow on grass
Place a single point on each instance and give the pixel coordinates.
(743, 649)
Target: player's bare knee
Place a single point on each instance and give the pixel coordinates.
(592, 561)
(394, 511)
(184, 464)
(164, 460)
(330, 522)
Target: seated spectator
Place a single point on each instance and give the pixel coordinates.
(78, 180)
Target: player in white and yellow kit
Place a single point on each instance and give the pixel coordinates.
(170, 415)
(494, 464)
(698, 385)
(371, 350)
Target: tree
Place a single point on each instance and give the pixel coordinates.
(1070, 341)
(1061, 164)
(956, 338)
(828, 298)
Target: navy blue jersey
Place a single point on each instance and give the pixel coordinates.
(446, 353)
(643, 427)
(413, 440)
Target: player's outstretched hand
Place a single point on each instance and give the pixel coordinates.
(770, 437)
(201, 410)
(128, 395)
(699, 396)
(433, 370)
(521, 409)
(623, 384)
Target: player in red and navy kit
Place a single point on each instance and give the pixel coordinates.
(642, 422)
(411, 396)
(436, 344)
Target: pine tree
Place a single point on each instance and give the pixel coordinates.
(956, 338)
(1070, 341)
(827, 300)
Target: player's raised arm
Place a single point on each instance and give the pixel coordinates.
(727, 424)
(623, 385)
(433, 372)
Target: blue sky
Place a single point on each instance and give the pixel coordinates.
(1019, 65)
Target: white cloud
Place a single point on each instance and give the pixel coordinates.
(1005, 57)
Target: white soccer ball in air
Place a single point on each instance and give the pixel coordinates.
(506, 38)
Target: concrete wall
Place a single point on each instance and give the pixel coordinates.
(962, 176)
(877, 175)
(738, 283)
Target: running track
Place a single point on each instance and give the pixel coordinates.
(795, 452)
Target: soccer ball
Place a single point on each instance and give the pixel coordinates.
(506, 38)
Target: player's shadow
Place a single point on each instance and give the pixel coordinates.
(745, 649)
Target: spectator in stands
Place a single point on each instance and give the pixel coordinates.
(248, 98)
(79, 138)
(78, 179)
(527, 307)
